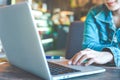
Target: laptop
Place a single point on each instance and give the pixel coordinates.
(23, 47)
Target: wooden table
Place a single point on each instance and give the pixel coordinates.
(10, 72)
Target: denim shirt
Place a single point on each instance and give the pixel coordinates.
(100, 32)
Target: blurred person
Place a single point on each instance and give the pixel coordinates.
(101, 43)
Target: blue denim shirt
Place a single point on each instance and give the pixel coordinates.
(100, 32)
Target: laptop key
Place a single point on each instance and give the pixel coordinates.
(58, 69)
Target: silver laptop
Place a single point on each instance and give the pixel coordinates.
(23, 47)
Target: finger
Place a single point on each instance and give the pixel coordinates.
(89, 62)
(72, 59)
(82, 59)
(75, 58)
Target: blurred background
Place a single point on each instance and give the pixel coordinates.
(53, 18)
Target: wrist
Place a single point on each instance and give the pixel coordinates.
(109, 57)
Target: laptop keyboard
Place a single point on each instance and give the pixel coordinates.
(58, 69)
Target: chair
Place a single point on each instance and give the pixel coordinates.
(74, 39)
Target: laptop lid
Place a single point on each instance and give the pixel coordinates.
(22, 43)
(21, 40)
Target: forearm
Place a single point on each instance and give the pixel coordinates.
(109, 56)
(116, 55)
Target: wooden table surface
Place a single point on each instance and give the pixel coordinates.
(10, 72)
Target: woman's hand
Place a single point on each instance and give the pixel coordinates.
(91, 56)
